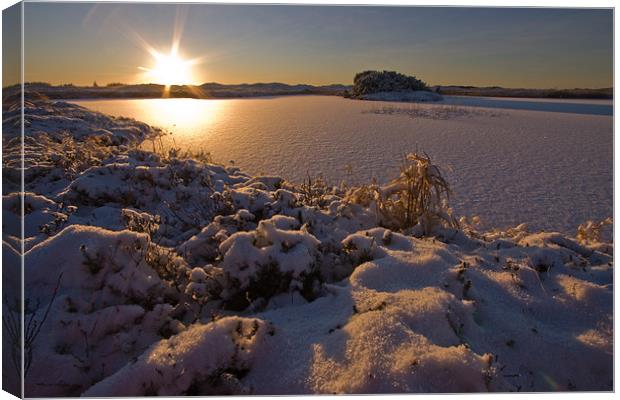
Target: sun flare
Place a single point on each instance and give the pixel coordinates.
(170, 70)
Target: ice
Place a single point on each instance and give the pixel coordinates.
(546, 162)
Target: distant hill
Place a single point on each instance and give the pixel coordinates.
(206, 90)
(213, 90)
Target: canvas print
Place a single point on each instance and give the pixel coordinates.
(267, 199)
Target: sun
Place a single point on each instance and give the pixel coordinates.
(170, 69)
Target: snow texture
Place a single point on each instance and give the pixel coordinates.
(489, 148)
(166, 275)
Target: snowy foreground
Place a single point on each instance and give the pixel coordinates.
(168, 275)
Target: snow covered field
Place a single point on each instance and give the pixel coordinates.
(165, 275)
(546, 162)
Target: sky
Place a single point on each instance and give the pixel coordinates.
(11, 45)
(518, 47)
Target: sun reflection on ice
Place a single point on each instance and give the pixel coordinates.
(184, 117)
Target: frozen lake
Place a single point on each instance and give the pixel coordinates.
(545, 162)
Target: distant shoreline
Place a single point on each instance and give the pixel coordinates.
(602, 93)
(153, 91)
(221, 91)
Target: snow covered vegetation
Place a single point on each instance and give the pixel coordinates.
(152, 273)
(414, 96)
(439, 112)
(390, 86)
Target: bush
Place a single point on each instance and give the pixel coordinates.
(268, 261)
(387, 81)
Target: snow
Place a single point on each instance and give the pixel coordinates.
(247, 254)
(409, 96)
(166, 275)
(194, 359)
(402, 323)
(110, 306)
(489, 148)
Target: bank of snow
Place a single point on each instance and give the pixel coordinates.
(172, 276)
(416, 96)
(423, 316)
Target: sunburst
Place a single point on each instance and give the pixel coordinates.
(169, 69)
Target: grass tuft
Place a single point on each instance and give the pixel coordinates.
(419, 196)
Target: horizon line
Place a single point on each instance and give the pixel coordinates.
(117, 84)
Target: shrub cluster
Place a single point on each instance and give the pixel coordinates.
(368, 82)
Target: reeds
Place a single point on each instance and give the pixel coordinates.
(418, 197)
(314, 191)
(590, 232)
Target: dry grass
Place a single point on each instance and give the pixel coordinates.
(434, 111)
(314, 192)
(590, 232)
(164, 145)
(419, 195)
(34, 317)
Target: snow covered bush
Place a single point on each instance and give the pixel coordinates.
(360, 247)
(204, 360)
(270, 260)
(253, 198)
(140, 221)
(368, 82)
(204, 247)
(103, 303)
(315, 192)
(177, 193)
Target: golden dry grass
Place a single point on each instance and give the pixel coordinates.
(419, 195)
